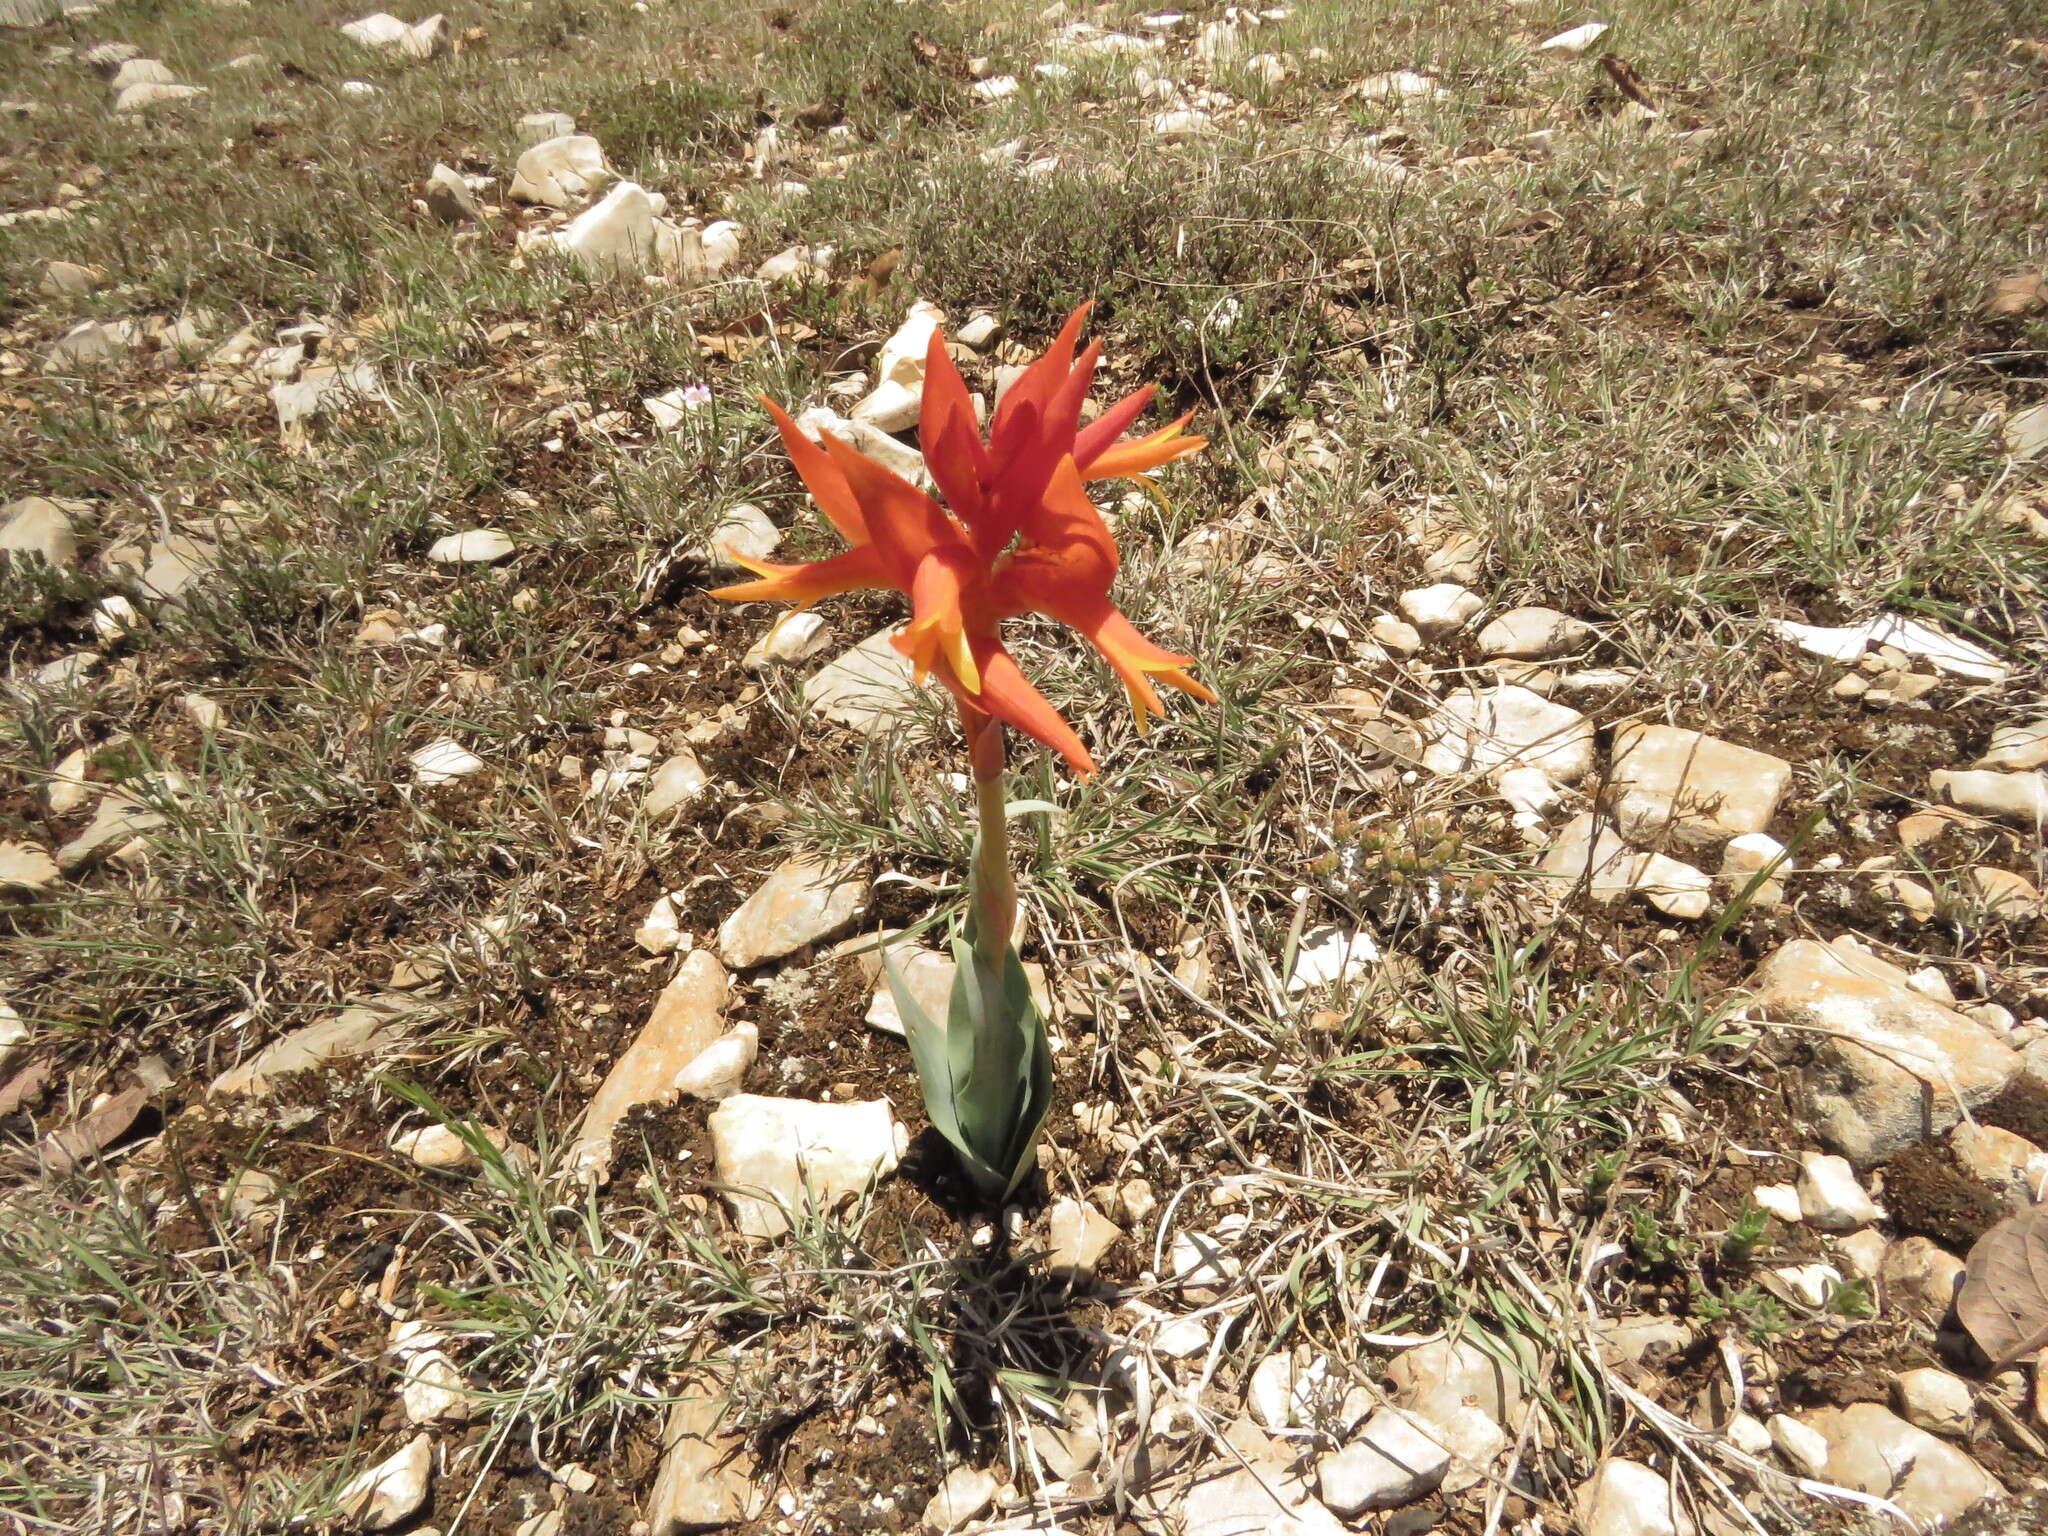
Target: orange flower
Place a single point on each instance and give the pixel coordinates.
(1021, 537)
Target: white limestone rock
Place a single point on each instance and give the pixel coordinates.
(394, 1490)
(141, 71)
(1626, 1498)
(1486, 730)
(1830, 1195)
(659, 932)
(1804, 1448)
(1201, 1265)
(1574, 40)
(69, 279)
(360, 1030)
(109, 57)
(1533, 634)
(2016, 748)
(387, 34)
(1779, 1200)
(323, 392)
(745, 532)
(1440, 611)
(1935, 1401)
(148, 95)
(539, 127)
(2001, 1160)
(1437, 1379)
(890, 406)
(1331, 956)
(720, 1070)
(797, 264)
(793, 638)
(559, 172)
(902, 357)
(1672, 887)
(433, 1390)
(674, 784)
(92, 344)
(1749, 855)
(1688, 788)
(41, 526)
(979, 332)
(1264, 1499)
(117, 822)
(707, 1479)
(964, 1495)
(803, 900)
(443, 761)
(1077, 1236)
(1915, 637)
(472, 546)
(1923, 1274)
(2019, 798)
(1889, 1061)
(445, 1146)
(686, 1018)
(26, 869)
(624, 233)
(894, 455)
(1588, 851)
(778, 1156)
(866, 688)
(1872, 1450)
(1395, 1459)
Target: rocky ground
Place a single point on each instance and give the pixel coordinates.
(1537, 1056)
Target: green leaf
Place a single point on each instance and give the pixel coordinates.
(931, 1053)
(1035, 1099)
(927, 1043)
(989, 1089)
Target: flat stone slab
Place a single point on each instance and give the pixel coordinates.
(1890, 1063)
(865, 688)
(356, 1031)
(804, 900)
(1689, 788)
(781, 1156)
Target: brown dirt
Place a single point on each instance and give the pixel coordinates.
(1928, 1192)
(2021, 1109)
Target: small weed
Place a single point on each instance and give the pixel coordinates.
(1740, 1241)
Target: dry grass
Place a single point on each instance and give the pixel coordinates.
(1676, 376)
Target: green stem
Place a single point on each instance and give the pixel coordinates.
(995, 894)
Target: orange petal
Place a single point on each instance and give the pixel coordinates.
(1067, 546)
(1102, 433)
(1137, 660)
(805, 584)
(826, 484)
(1038, 383)
(938, 628)
(1145, 453)
(903, 523)
(950, 436)
(1007, 694)
(1069, 582)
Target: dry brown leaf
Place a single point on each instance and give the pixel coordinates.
(23, 1087)
(1626, 80)
(2019, 294)
(92, 1133)
(2004, 1299)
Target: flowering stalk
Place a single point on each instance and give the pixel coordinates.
(995, 910)
(1017, 534)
